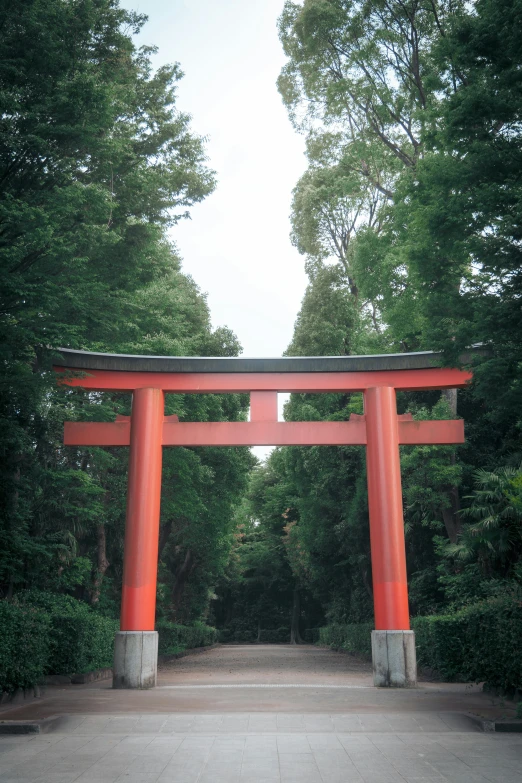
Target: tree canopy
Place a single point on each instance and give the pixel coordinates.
(408, 218)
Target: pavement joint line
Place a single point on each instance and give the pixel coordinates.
(264, 685)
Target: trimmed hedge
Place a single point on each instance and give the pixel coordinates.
(80, 640)
(174, 637)
(239, 636)
(24, 646)
(482, 642)
(275, 635)
(354, 637)
(46, 633)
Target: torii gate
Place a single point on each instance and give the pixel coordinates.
(147, 430)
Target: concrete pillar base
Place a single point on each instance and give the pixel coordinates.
(394, 659)
(135, 659)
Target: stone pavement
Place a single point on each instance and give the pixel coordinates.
(228, 715)
(162, 750)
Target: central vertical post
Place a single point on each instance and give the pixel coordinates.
(393, 644)
(136, 647)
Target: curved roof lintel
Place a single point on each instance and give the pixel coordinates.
(85, 360)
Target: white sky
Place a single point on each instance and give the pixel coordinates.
(237, 244)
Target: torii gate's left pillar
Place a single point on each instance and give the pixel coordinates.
(136, 644)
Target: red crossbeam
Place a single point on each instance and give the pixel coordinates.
(264, 433)
(216, 383)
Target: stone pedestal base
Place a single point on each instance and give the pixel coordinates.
(394, 660)
(135, 659)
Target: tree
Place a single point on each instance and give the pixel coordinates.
(96, 161)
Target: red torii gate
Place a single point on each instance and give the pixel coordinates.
(147, 430)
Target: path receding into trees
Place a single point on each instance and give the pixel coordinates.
(267, 664)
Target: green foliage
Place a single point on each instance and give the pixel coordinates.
(24, 646)
(478, 643)
(80, 640)
(492, 537)
(275, 635)
(97, 161)
(352, 637)
(174, 637)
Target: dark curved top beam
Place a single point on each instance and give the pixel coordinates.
(85, 360)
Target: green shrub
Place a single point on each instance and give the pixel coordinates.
(311, 635)
(275, 635)
(174, 637)
(23, 646)
(80, 640)
(242, 629)
(482, 642)
(352, 637)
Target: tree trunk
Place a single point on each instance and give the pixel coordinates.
(181, 580)
(258, 640)
(103, 563)
(450, 514)
(367, 582)
(164, 534)
(450, 395)
(295, 636)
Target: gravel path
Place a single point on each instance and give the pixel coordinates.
(261, 664)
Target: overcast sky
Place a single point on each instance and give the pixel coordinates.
(237, 244)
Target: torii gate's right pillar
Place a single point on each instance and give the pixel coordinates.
(393, 643)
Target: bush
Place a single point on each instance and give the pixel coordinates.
(353, 637)
(482, 642)
(23, 646)
(174, 637)
(240, 630)
(80, 640)
(275, 635)
(311, 635)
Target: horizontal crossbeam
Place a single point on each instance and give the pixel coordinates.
(264, 433)
(216, 383)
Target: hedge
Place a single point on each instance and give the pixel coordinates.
(46, 633)
(355, 637)
(275, 635)
(80, 640)
(481, 643)
(24, 646)
(242, 634)
(174, 637)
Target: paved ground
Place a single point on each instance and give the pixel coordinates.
(271, 714)
(235, 757)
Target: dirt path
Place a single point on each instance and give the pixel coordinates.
(266, 664)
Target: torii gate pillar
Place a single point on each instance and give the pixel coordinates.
(393, 643)
(136, 645)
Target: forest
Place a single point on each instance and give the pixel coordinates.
(409, 222)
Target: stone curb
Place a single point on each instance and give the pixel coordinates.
(511, 725)
(14, 727)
